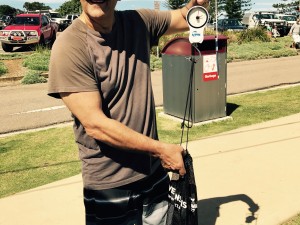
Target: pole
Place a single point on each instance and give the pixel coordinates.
(217, 32)
(157, 7)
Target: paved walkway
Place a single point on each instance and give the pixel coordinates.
(246, 176)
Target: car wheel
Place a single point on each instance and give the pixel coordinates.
(42, 41)
(7, 47)
(53, 39)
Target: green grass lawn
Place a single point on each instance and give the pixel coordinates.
(3, 68)
(293, 221)
(33, 159)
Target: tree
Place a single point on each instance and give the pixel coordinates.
(233, 8)
(237, 8)
(175, 4)
(35, 6)
(286, 7)
(26, 6)
(212, 9)
(7, 10)
(70, 7)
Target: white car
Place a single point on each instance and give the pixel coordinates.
(290, 19)
(63, 23)
(254, 19)
(71, 17)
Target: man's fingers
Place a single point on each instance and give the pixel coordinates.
(182, 171)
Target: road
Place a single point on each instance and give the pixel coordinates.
(259, 74)
(29, 107)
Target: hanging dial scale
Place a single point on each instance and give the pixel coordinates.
(197, 18)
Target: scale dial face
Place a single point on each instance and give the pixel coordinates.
(197, 17)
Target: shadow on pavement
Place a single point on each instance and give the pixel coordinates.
(208, 209)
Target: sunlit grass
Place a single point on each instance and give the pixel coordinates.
(3, 68)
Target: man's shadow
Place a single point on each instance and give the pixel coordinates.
(208, 209)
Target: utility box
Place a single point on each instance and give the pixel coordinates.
(209, 79)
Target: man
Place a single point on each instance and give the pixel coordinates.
(295, 32)
(100, 68)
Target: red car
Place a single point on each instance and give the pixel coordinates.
(27, 29)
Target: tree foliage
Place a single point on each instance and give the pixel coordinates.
(70, 7)
(7, 10)
(175, 4)
(212, 9)
(236, 8)
(231, 8)
(286, 7)
(32, 6)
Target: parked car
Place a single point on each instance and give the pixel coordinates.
(54, 16)
(265, 19)
(290, 19)
(2, 24)
(71, 17)
(27, 29)
(230, 25)
(62, 22)
(4, 20)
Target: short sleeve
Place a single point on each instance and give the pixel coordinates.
(70, 68)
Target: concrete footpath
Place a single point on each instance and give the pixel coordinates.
(245, 176)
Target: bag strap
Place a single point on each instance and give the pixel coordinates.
(188, 111)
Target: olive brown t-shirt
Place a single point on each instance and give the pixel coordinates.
(119, 61)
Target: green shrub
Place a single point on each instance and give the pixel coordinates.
(155, 63)
(41, 49)
(259, 50)
(3, 68)
(209, 31)
(33, 77)
(38, 60)
(249, 35)
(255, 34)
(233, 36)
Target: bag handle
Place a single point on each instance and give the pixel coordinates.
(188, 111)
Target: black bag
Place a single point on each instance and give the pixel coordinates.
(183, 196)
(182, 190)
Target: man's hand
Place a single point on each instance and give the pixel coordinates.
(178, 18)
(204, 3)
(172, 158)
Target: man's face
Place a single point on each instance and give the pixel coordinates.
(98, 8)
